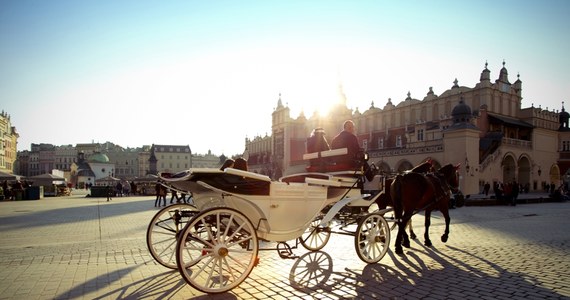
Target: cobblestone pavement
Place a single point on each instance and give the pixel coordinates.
(87, 248)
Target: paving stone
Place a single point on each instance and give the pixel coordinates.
(76, 247)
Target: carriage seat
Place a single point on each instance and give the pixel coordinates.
(325, 165)
(339, 179)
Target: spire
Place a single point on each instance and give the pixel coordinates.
(563, 119)
(389, 104)
(279, 103)
(485, 74)
(341, 95)
(504, 75)
(518, 85)
(455, 83)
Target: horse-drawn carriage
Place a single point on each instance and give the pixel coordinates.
(214, 242)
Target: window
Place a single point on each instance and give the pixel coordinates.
(420, 135)
(381, 143)
(399, 141)
(365, 144)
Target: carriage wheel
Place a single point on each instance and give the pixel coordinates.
(164, 229)
(372, 238)
(315, 237)
(217, 250)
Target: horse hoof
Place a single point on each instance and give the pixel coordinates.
(444, 238)
(413, 236)
(427, 243)
(399, 251)
(406, 244)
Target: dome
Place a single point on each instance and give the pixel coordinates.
(99, 158)
(461, 112)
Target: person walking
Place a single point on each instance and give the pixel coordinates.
(157, 189)
(109, 193)
(514, 193)
(174, 196)
(163, 192)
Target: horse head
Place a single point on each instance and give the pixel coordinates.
(450, 174)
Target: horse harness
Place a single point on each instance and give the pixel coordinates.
(441, 190)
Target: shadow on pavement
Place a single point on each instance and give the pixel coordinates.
(411, 277)
(160, 286)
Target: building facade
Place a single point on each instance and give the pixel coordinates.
(490, 135)
(8, 144)
(207, 160)
(169, 158)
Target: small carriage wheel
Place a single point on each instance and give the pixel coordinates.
(164, 229)
(315, 238)
(217, 250)
(372, 238)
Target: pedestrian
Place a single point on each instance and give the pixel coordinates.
(133, 188)
(486, 188)
(157, 189)
(174, 196)
(162, 195)
(508, 193)
(183, 197)
(515, 193)
(109, 193)
(119, 188)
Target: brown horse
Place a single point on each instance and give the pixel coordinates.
(385, 199)
(413, 192)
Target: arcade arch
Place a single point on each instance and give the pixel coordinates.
(509, 168)
(404, 165)
(554, 175)
(524, 167)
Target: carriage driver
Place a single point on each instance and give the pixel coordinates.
(347, 139)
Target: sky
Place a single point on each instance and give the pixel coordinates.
(209, 74)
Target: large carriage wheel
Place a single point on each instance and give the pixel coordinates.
(315, 237)
(372, 238)
(217, 250)
(164, 229)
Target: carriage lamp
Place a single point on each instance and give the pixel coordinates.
(466, 166)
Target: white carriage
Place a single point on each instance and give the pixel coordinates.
(214, 243)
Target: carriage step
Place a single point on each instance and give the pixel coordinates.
(285, 251)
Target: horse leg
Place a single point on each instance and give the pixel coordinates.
(445, 235)
(427, 241)
(398, 243)
(412, 234)
(406, 220)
